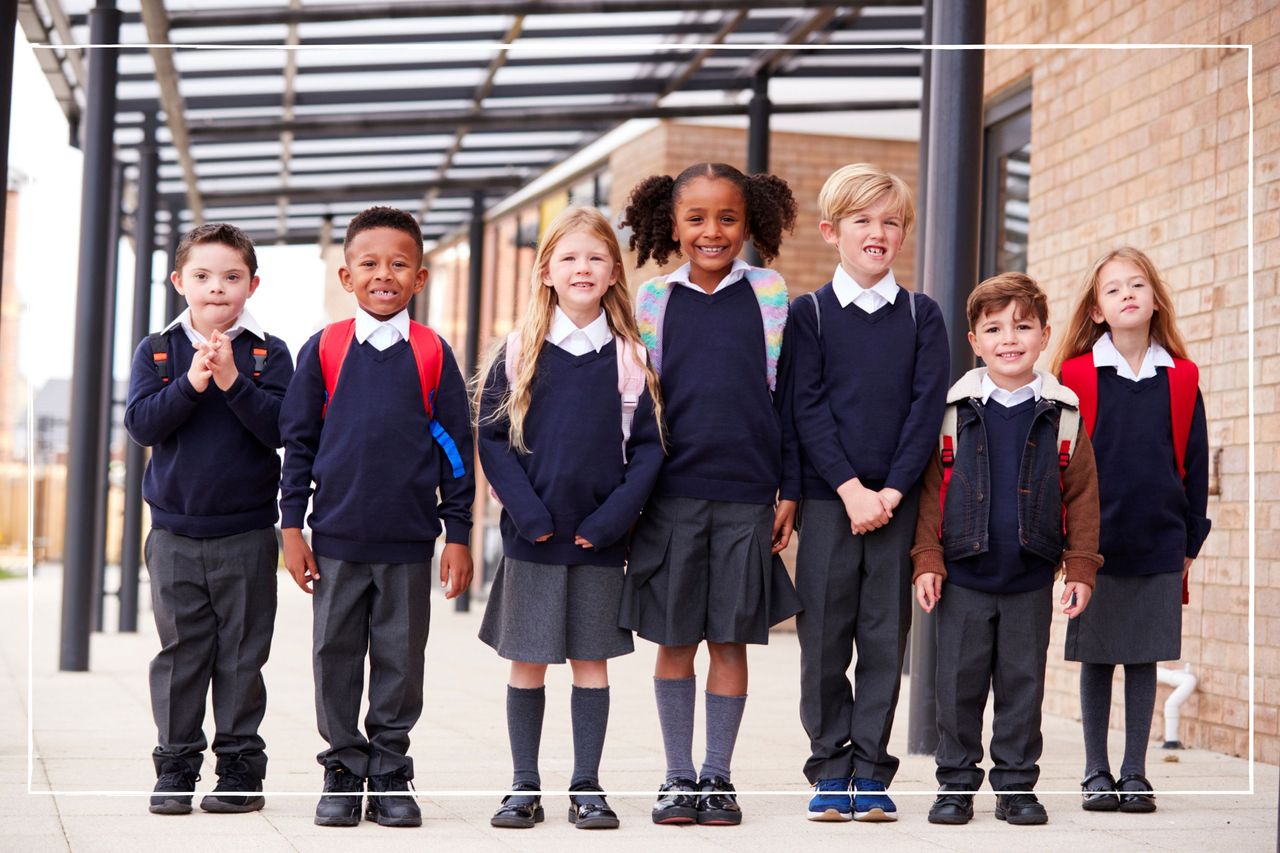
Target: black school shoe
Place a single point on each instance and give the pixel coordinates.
(1020, 809)
(396, 810)
(718, 806)
(522, 815)
(1098, 792)
(590, 812)
(236, 788)
(1135, 794)
(951, 808)
(676, 802)
(342, 809)
(175, 777)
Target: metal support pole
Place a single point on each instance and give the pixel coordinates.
(86, 383)
(102, 510)
(758, 112)
(950, 250)
(174, 302)
(8, 35)
(475, 281)
(144, 230)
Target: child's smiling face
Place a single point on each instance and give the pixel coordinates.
(384, 270)
(711, 227)
(1009, 341)
(868, 240)
(580, 269)
(215, 280)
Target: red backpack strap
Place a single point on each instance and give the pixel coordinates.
(1184, 385)
(1080, 375)
(428, 354)
(335, 340)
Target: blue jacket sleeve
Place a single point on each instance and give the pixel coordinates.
(929, 381)
(1196, 481)
(300, 427)
(156, 408)
(613, 518)
(811, 414)
(453, 412)
(257, 404)
(784, 403)
(501, 464)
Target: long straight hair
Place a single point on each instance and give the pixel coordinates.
(1083, 332)
(538, 316)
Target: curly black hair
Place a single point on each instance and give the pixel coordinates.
(382, 217)
(650, 212)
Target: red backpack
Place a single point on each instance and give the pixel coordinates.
(1080, 375)
(428, 354)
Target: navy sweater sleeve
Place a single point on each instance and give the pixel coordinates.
(811, 414)
(784, 403)
(300, 426)
(453, 412)
(156, 408)
(505, 473)
(613, 518)
(1196, 481)
(258, 405)
(929, 380)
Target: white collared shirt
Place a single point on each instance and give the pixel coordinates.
(1105, 354)
(1009, 399)
(243, 323)
(382, 333)
(869, 299)
(590, 338)
(736, 273)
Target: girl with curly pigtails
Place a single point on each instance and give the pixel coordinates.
(703, 564)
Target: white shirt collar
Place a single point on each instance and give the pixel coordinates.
(736, 273)
(243, 323)
(1105, 354)
(847, 290)
(596, 333)
(1009, 399)
(366, 324)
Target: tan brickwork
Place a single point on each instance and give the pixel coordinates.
(1149, 148)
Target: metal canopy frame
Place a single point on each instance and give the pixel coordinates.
(301, 128)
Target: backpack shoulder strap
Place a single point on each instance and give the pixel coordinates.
(946, 455)
(911, 304)
(631, 381)
(428, 355)
(335, 340)
(651, 307)
(259, 351)
(1184, 384)
(771, 294)
(817, 311)
(1068, 433)
(1081, 376)
(511, 356)
(159, 342)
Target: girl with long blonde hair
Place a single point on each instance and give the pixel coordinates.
(571, 441)
(1140, 401)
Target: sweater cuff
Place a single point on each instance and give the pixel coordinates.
(292, 516)
(1081, 567)
(896, 481)
(187, 389)
(839, 474)
(457, 532)
(237, 388)
(1197, 532)
(927, 560)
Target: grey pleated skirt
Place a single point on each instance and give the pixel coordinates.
(702, 570)
(1130, 619)
(540, 613)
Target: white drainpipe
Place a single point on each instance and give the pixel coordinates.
(1184, 683)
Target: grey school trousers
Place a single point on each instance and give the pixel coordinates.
(383, 609)
(214, 602)
(856, 592)
(997, 642)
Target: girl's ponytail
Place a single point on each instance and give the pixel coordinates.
(771, 210)
(651, 216)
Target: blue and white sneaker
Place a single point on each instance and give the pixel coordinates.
(870, 803)
(832, 801)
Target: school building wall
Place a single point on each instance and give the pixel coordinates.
(1149, 148)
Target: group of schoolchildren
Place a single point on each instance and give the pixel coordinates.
(652, 457)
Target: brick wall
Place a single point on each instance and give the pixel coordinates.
(1149, 148)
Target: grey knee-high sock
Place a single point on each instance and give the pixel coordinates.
(589, 711)
(724, 716)
(525, 708)
(1095, 714)
(1139, 703)
(676, 698)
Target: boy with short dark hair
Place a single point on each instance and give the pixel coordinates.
(205, 395)
(871, 365)
(1013, 470)
(378, 445)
